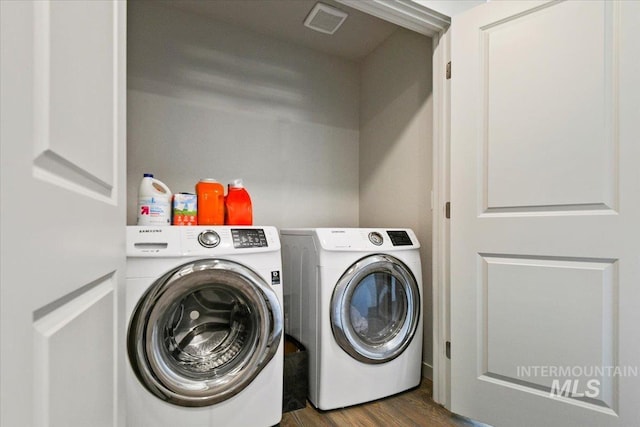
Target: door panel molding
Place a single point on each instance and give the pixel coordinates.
(524, 296)
(70, 341)
(529, 177)
(75, 149)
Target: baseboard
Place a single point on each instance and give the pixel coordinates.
(427, 371)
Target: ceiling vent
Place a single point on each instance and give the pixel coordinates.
(325, 18)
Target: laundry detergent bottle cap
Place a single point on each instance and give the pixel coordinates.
(154, 202)
(238, 208)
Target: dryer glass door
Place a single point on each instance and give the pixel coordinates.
(375, 309)
(203, 332)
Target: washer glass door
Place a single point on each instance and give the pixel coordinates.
(203, 331)
(375, 308)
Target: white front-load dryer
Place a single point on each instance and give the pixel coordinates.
(353, 298)
(205, 325)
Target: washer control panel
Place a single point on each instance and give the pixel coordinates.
(376, 238)
(248, 238)
(199, 240)
(209, 239)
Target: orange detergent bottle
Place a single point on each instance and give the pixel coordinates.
(238, 205)
(210, 202)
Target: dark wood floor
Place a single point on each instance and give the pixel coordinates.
(411, 408)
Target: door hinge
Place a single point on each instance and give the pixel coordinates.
(449, 70)
(447, 210)
(447, 350)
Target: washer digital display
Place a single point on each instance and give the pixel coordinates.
(248, 238)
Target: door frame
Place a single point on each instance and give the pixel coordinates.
(440, 223)
(416, 17)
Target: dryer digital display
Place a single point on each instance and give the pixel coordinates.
(248, 238)
(400, 238)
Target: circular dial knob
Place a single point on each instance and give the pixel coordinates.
(375, 238)
(209, 239)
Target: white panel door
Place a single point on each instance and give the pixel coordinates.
(545, 217)
(63, 212)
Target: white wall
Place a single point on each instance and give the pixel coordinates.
(395, 148)
(209, 100)
(319, 141)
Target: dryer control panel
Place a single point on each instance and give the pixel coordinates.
(399, 238)
(363, 239)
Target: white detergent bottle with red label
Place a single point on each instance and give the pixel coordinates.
(154, 202)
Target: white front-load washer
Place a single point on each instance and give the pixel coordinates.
(353, 299)
(205, 325)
